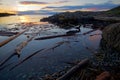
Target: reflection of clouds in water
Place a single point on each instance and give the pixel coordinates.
(95, 36)
(67, 49)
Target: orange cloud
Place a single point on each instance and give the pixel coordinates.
(41, 3)
(33, 3)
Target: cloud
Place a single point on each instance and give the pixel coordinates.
(41, 3)
(50, 10)
(94, 7)
(33, 3)
(0, 2)
(59, 2)
(37, 12)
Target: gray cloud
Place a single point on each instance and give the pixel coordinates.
(38, 12)
(32, 2)
(107, 5)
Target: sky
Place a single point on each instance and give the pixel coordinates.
(55, 6)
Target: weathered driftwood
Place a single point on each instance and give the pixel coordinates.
(53, 47)
(80, 65)
(26, 59)
(11, 38)
(24, 43)
(63, 35)
(17, 50)
(4, 33)
(56, 36)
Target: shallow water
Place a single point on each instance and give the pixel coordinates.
(50, 60)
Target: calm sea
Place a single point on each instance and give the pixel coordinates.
(57, 51)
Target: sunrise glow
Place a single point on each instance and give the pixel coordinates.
(16, 6)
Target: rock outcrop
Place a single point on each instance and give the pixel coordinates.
(111, 36)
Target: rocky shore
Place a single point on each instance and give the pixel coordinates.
(105, 64)
(98, 19)
(102, 66)
(111, 36)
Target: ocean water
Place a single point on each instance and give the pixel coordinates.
(57, 51)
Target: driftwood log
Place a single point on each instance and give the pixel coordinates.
(80, 65)
(4, 33)
(63, 35)
(11, 38)
(25, 59)
(56, 36)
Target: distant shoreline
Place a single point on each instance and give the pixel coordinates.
(5, 14)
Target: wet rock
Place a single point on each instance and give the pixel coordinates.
(104, 76)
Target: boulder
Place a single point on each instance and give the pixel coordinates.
(111, 36)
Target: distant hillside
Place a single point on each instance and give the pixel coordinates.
(114, 12)
(5, 14)
(97, 18)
